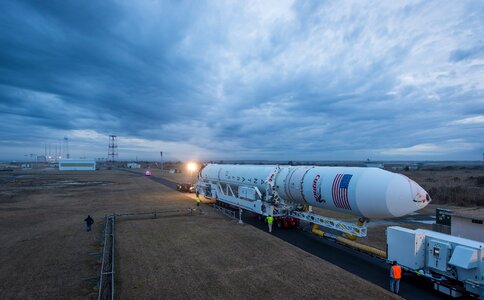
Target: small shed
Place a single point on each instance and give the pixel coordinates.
(77, 165)
(468, 223)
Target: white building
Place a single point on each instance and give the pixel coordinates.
(375, 165)
(468, 223)
(134, 166)
(77, 165)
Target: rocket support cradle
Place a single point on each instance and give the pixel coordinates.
(285, 190)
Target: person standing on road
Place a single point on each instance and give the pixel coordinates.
(270, 220)
(198, 204)
(395, 276)
(89, 221)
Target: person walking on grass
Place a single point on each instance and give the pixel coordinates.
(89, 221)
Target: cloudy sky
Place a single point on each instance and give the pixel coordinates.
(295, 80)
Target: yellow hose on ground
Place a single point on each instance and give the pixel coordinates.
(352, 244)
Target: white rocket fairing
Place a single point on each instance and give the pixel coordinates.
(368, 192)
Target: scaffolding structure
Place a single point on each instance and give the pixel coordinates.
(112, 148)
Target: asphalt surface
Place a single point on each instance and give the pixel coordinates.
(367, 267)
(163, 181)
(370, 268)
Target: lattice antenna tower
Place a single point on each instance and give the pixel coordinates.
(113, 148)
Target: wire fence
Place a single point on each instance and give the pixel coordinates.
(106, 284)
(106, 274)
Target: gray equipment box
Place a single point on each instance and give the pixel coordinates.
(436, 256)
(406, 247)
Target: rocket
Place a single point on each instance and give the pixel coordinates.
(372, 193)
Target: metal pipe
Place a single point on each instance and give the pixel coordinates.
(112, 258)
(102, 261)
(364, 248)
(149, 213)
(352, 244)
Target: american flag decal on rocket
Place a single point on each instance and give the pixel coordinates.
(340, 191)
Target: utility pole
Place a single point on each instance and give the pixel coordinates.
(161, 156)
(65, 153)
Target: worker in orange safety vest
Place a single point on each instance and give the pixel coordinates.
(395, 276)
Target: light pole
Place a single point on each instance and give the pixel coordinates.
(191, 167)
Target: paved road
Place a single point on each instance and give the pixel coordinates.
(363, 265)
(163, 181)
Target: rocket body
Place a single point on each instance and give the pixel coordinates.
(368, 192)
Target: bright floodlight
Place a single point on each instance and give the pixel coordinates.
(191, 166)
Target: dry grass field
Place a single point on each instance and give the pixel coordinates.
(452, 186)
(45, 251)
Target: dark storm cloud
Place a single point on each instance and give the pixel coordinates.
(302, 80)
(89, 60)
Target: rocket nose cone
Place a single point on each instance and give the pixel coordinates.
(405, 196)
(420, 197)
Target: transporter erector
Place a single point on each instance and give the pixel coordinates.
(292, 191)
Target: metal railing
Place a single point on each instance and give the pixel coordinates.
(154, 213)
(107, 271)
(106, 276)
